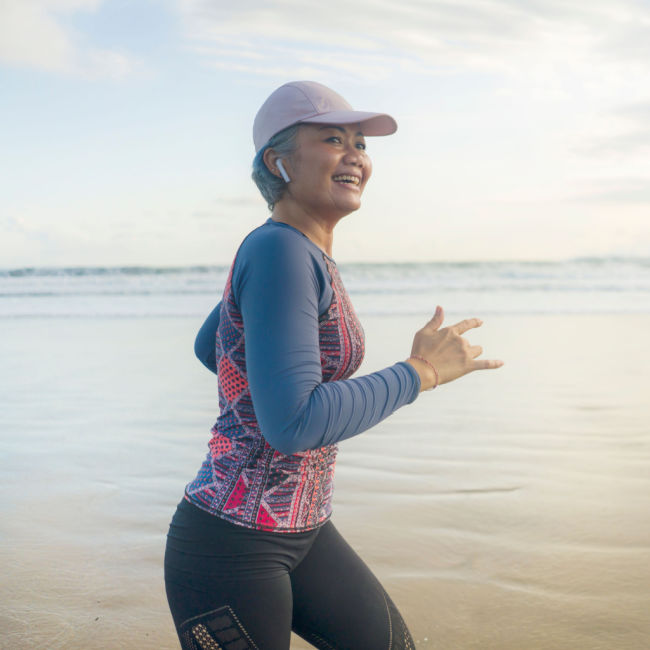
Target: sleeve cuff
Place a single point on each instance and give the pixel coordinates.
(414, 377)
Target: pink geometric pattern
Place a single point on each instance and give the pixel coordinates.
(219, 445)
(245, 480)
(230, 380)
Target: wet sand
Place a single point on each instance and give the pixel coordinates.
(506, 510)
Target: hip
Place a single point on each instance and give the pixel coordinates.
(203, 547)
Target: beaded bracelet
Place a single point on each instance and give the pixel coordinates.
(435, 372)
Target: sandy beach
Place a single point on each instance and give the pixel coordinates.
(508, 510)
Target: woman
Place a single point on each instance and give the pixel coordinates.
(251, 552)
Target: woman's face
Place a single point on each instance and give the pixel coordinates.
(329, 169)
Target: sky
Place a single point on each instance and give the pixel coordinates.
(126, 126)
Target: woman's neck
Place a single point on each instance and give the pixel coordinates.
(319, 230)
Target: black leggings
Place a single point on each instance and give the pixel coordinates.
(236, 588)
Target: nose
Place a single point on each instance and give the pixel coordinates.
(354, 155)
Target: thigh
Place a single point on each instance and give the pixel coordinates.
(244, 615)
(339, 603)
(228, 586)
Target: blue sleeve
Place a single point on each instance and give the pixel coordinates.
(204, 345)
(278, 285)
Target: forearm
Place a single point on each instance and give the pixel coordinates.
(339, 410)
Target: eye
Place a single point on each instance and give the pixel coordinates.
(361, 145)
(335, 138)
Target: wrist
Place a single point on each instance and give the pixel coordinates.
(429, 378)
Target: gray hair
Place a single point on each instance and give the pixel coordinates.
(271, 186)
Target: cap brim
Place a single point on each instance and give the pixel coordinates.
(371, 123)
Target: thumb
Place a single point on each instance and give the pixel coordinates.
(437, 319)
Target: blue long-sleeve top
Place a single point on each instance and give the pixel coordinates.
(287, 341)
(204, 345)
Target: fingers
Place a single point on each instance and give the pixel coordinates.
(437, 319)
(467, 324)
(487, 364)
(483, 364)
(475, 351)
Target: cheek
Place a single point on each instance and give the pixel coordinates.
(367, 166)
(306, 170)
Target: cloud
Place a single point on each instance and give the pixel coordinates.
(627, 36)
(33, 34)
(639, 113)
(621, 144)
(376, 38)
(357, 39)
(614, 190)
(626, 132)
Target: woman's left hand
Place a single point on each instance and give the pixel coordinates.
(447, 351)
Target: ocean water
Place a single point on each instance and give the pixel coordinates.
(506, 510)
(598, 285)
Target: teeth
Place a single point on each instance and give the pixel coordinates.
(346, 178)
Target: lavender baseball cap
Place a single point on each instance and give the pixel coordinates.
(312, 103)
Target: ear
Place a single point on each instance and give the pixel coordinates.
(270, 160)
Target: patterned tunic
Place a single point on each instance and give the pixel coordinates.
(245, 478)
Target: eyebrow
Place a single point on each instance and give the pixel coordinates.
(338, 128)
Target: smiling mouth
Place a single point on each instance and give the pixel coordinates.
(347, 178)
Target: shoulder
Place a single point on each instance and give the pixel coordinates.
(277, 251)
(281, 246)
(275, 237)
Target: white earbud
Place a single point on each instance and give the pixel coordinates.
(283, 171)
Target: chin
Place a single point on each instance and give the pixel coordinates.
(348, 211)
(350, 207)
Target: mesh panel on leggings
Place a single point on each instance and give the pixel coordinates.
(218, 629)
(400, 636)
(316, 640)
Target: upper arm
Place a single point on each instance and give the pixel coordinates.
(276, 286)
